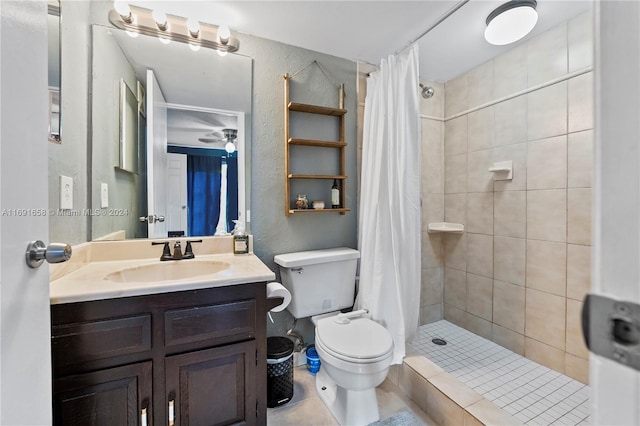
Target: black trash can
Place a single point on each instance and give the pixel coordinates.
(279, 371)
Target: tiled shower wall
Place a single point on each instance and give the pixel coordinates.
(432, 139)
(519, 273)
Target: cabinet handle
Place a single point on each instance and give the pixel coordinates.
(143, 417)
(171, 413)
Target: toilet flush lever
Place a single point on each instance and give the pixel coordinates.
(298, 270)
(37, 253)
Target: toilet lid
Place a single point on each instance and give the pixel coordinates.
(360, 338)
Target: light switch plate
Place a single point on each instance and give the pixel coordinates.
(104, 195)
(66, 192)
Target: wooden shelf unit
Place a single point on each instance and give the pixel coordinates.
(341, 144)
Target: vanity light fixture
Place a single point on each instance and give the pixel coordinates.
(223, 34)
(124, 11)
(194, 27)
(511, 21)
(138, 20)
(161, 19)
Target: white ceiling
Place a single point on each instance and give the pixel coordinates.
(371, 30)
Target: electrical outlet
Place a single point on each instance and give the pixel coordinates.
(66, 192)
(104, 195)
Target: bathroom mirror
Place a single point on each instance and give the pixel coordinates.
(198, 81)
(53, 50)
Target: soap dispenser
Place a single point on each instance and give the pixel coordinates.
(240, 239)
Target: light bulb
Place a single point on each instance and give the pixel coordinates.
(161, 19)
(164, 40)
(194, 27)
(230, 147)
(132, 34)
(223, 34)
(222, 53)
(194, 47)
(123, 9)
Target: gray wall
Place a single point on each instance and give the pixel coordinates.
(273, 231)
(70, 157)
(109, 67)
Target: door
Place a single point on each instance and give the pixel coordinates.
(177, 192)
(156, 158)
(25, 364)
(213, 386)
(616, 256)
(114, 396)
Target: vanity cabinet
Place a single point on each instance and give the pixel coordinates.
(189, 357)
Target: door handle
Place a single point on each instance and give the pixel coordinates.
(151, 218)
(143, 417)
(37, 253)
(611, 328)
(171, 412)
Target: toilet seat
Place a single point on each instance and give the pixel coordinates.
(360, 340)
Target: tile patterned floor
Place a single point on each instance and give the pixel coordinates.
(534, 394)
(306, 408)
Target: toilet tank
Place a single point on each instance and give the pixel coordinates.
(319, 280)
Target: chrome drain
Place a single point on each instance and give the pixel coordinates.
(439, 342)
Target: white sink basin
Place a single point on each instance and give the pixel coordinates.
(168, 271)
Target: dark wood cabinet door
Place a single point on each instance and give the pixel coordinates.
(213, 386)
(114, 396)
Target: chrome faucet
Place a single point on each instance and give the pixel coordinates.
(177, 250)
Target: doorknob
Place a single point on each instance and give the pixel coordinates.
(611, 329)
(151, 218)
(37, 253)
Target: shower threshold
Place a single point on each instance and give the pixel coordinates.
(530, 393)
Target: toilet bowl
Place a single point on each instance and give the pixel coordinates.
(355, 351)
(355, 355)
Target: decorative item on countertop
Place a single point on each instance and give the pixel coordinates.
(240, 239)
(335, 195)
(302, 202)
(318, 205)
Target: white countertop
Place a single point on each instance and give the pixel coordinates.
(89, 282)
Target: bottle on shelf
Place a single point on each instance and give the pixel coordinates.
(335, 195)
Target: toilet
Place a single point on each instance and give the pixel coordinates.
(355, 351)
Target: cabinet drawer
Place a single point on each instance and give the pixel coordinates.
(200, 323)
(78, 342)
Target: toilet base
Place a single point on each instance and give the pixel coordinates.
(349, 407)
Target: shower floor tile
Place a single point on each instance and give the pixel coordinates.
(532, 393)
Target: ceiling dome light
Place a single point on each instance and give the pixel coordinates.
(511, 21)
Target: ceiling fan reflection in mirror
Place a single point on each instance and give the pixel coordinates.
(230, 137)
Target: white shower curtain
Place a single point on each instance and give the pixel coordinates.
(389, 220)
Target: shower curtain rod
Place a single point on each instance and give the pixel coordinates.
(430, 28)
(435, 24)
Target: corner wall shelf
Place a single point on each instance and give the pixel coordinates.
(340, 144)
(454, 228)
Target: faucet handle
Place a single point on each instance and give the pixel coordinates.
(166, 251)
(188, 251)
